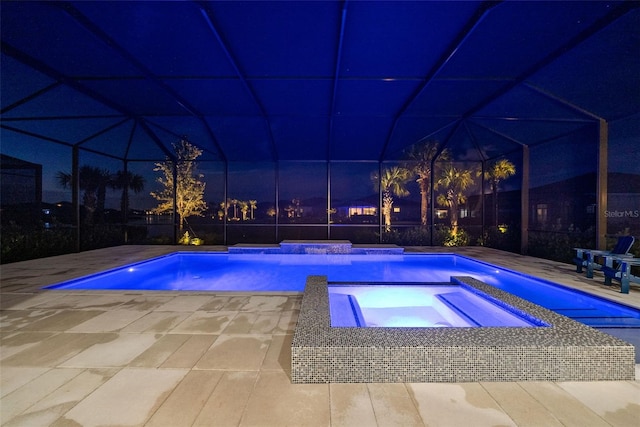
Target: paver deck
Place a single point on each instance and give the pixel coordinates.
(71, 358)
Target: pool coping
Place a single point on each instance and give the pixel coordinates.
(565, 351)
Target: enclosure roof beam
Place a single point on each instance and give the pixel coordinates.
(206, 14)
(598, 25)
(36, 118)
(30, 97)
(36, 135)
(557, 137)
(111, 43)
(130, 140)
(101, 132)
(559, 100)
(74, 84)
(445, 142)
(474, 141)
(179, 136)
(57, 141)
(500, 134)
(61, 78)
(155, 138)
(336, 74)
(533, 119)
(462, 36)
(437, 131)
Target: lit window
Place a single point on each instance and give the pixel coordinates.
(362, 210)
(542, 211)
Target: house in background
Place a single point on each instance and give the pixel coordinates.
(20, 191)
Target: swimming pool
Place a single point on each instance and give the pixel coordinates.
(216, 271)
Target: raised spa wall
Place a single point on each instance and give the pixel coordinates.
(565, 351)
(317, 247)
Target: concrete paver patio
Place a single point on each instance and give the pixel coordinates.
(70, 358)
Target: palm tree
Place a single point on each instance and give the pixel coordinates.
(224, 209)
(392, 183)
(296, 209)
(290, 211)
(455, 182)
(94, 182)
(420, 158)
(253, 204)
(244, 209)
(235, 202)
(126, 181)
(499, 170)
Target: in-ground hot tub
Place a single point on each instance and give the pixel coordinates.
(435, 305)
(563, 351)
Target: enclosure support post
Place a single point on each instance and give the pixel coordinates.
(432, 200)
(328, 200)
(601, 190)
(276, 201)
(380, 202)
(524, 203)
(124, 206)
(225, 197)
(482, 197)
(75, 193)
(176, 220)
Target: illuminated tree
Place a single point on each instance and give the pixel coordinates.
(498, 171)
(455, 182)
(244, 209)
(224, 209)
(392, 183)
(234, 203)
(420, 157)
(189, 193)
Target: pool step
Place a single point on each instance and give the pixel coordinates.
(345, 311)
(478, 315)
(596, 318)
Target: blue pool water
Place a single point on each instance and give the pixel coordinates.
(197, 271)
(417, 306)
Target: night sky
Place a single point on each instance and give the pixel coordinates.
(262, 81)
